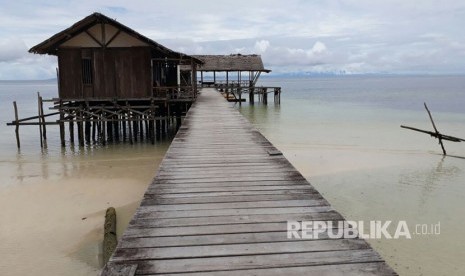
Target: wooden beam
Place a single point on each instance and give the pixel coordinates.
(94, 39)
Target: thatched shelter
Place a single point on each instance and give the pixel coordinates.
(234, 67)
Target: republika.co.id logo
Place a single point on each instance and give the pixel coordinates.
(356, 229)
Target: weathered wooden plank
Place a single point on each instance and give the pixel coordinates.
(235, 205)
(217, 220)
(238, 249)
(308, 190)
(289, 174)
(214, 239)
(136, 231)
(226, 171)
(231, 184)
(152, 199)
(163, 190)
(145, 212)
(259, 261)
(220, 167)
(238, 178)
(355, 269)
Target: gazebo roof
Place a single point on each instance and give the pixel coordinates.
(234, 62)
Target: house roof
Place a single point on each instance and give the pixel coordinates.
(50, 46)
(235, 62)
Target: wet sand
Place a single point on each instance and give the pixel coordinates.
(53, 208)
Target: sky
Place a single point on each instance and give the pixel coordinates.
(292, 36)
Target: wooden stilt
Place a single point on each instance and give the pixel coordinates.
(99, 128)
(62, 125)
(130, 129)
(141, 127)
(158, 128)
(80, 131)
(40, 121)
(116, 128)
(94, 126)
(71, 130)
(104, 130)
(152, 131)
(129, 118)
(87, 130)
(146, 124)
(135, 126)
(123, 123)
(42, 116)
(109, 130)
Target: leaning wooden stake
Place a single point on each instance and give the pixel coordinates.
(17, 125)
(436, 133)
(435, 129)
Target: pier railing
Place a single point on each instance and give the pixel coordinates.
(175, 92)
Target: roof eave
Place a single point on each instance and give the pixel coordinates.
(49, 46)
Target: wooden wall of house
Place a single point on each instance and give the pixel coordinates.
(116, 73)
(70, 72)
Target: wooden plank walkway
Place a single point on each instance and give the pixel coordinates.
(220, 203)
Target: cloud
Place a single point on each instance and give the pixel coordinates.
(261, 46)
(317, 54)
(393, 36)
(12, 49)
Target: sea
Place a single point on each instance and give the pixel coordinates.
(341, 132)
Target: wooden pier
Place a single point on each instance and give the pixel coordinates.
(220, 203)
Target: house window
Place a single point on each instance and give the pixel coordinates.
(86, 71)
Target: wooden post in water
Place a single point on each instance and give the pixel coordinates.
(42, 116)
(62, 124)
(80, 125)
(123, 126)
(129, 118)
(436, 130)
(87, 130)
(163, 119)
(103, 129)
(94, 123)
(116, 128)
(178, 117)
(158, 125)
(251, 96)
(141, 127)
(16, 125)
(40, 121)
(135, 126)
(110, 129)
(71, 131)
(109, 237)
(152, 121)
